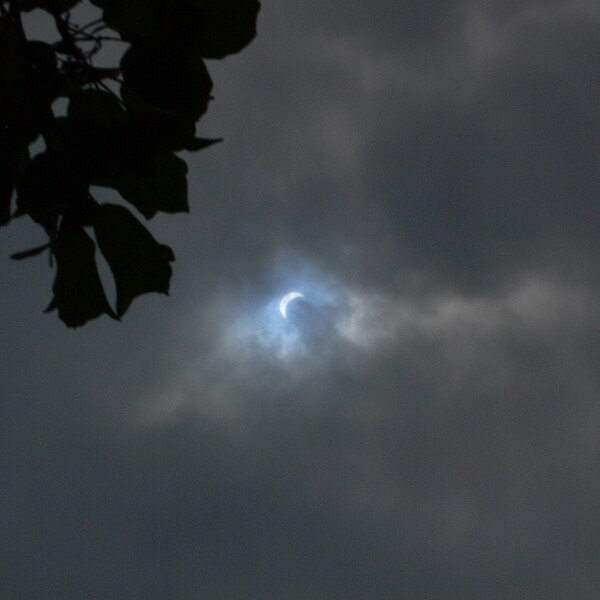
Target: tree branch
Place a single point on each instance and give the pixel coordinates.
(67, 37)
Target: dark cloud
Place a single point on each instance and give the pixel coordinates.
(424, 424)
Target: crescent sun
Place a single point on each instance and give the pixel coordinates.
(286, 300)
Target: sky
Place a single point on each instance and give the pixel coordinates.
(424, 424)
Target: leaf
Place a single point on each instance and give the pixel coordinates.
(14, 155)
(134, 18)
(213, 28)
(93, 136)
(118, 157)
(138, 262)
(154, 128)
(99, 107)
(39, 192)
(6, 192)
(90, 148)
(78, 292)
(30, 252)
(50, 187)
(28, 78)
(168, 76)
(223, 27)
(201, 143)
(163, 189)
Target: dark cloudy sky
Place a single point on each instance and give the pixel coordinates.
(426, 423)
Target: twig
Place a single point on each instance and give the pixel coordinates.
(66, 35)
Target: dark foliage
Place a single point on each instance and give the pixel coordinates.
(123, 139)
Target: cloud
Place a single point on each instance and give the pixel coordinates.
(425, 423)
(254, 352)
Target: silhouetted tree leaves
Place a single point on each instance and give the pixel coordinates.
(154, 128)
(152, 182)
(212, 28)
(225, 27)
(124, 140)
(98, 116)
(14, 156)
(78, 292)
(138, 262)
(28, 78)
(100, 107)
(164, 188)
(49, 188)
(134, 18)
(168, 76)
(6, 192)
(84, 146)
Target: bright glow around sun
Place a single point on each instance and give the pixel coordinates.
(265, 329)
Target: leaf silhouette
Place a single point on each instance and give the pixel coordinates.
(6, 192)
(49, 188)
(135, 18)
(78, 292)
(201, 143)
(153, 128)
(123, 138)
(28, 80)
(29, 253)
(100, 107)
(212, 28)
(163, 188)
(14, 155)
(224, 27)
(166, 75)
(138, 262)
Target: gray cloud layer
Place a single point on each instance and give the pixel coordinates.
(428, 176)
